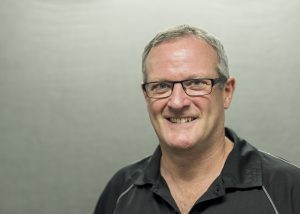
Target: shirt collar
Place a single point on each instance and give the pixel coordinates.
(242, 168)
(151, 173)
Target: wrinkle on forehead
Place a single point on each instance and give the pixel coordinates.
(183, 46)
(182, 55)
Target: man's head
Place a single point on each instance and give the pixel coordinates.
(187, 87)
(185, 31)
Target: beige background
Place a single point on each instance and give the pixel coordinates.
(71, 108)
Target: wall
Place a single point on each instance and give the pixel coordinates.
(71, 108)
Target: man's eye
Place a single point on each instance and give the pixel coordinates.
(160, 86)
(196, 82)
(199, 82)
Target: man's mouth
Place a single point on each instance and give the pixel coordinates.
(180, 120)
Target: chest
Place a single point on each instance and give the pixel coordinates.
(158, 200)
(186, 196)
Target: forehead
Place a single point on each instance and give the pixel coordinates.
(187, 56)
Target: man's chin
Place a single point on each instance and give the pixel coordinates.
(179, 145)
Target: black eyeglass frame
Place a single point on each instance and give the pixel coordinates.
(221, 79)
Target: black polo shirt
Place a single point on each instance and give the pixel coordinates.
(250, 182)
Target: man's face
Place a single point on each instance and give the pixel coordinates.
(181, 121)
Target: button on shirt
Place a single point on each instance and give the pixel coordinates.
(250, 182)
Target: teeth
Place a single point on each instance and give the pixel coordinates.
(181, 120)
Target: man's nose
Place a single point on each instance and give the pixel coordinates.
(178, 99)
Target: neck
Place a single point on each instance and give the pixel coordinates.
(192, 164)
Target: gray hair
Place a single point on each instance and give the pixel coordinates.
(184, 31)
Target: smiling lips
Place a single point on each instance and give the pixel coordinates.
(180, 120)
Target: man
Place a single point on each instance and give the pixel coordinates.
(199, 166)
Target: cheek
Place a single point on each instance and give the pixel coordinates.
(209, 106)
(203, 104)
(216, 110)
(155, 107)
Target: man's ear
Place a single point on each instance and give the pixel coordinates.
(229, 88)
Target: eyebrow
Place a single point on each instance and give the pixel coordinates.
(188, 78)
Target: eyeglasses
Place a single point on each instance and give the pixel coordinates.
(192, 87)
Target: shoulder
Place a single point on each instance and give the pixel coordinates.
(120, 182)
(127, 175)
(276, 168)
(281, 182)
(279, 178)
